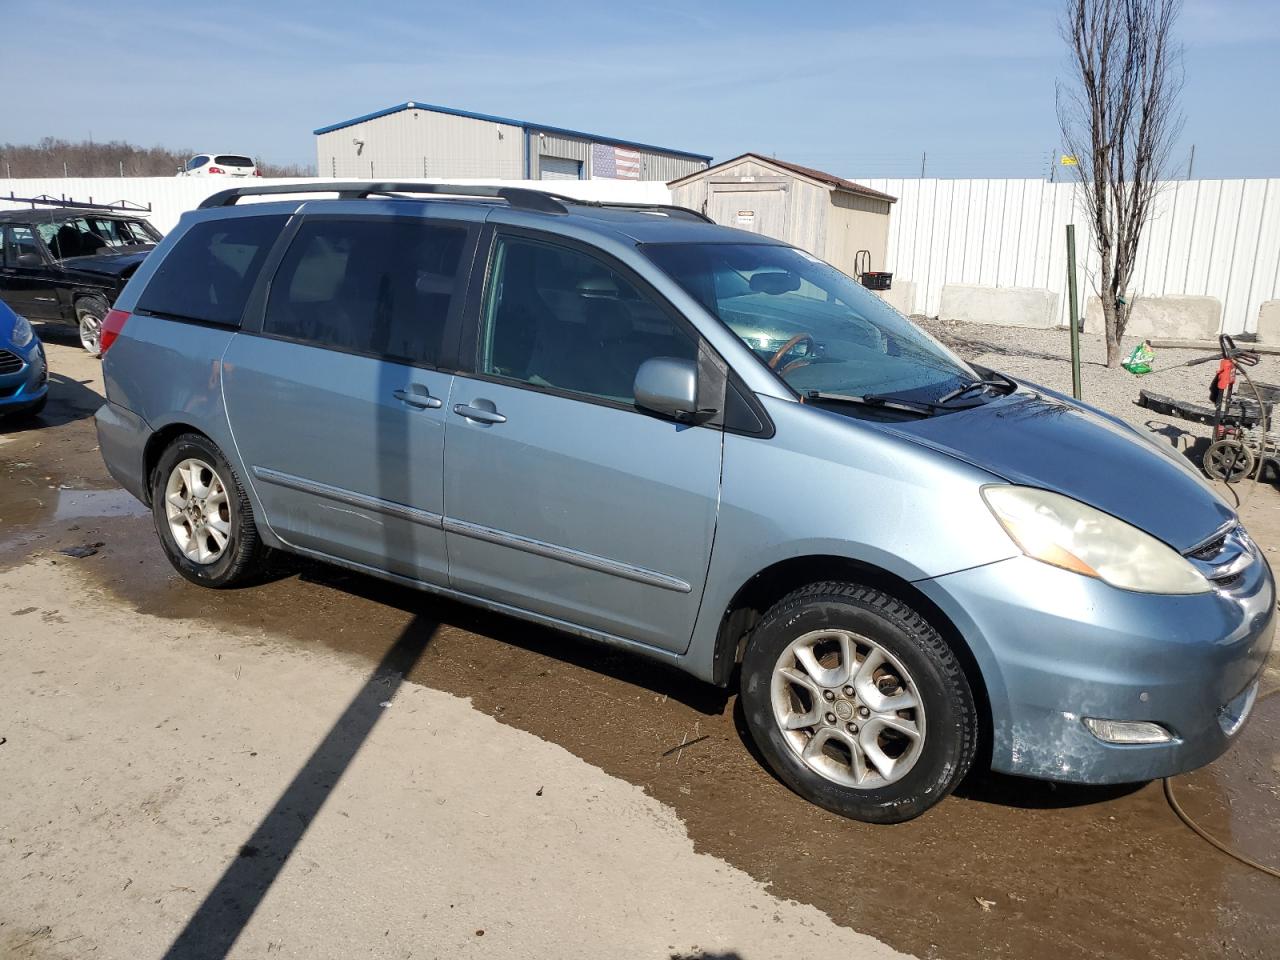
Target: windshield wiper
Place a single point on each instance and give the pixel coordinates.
(879, 400)
(959, 392)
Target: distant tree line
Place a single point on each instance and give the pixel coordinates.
(53, 157)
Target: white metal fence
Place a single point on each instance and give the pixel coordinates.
(171, 196)
(1218, 238)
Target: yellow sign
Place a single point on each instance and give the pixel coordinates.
(1069, 161)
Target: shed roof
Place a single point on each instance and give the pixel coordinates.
(821, 176)
(526, 124)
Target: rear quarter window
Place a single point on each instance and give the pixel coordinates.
(210, 271)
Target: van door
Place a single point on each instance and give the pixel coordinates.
(335, 403)
(562, 498)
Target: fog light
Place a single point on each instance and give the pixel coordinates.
(1127, 731)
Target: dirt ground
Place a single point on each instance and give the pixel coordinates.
(157, 733)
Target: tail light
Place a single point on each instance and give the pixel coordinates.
(257, 172)
(112, 324)
(216, 170)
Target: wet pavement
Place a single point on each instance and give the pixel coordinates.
(1007, 868)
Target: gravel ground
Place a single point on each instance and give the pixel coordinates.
(1044, 357)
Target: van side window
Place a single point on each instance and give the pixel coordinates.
(378, 287)
(209, 272)
(557, 317)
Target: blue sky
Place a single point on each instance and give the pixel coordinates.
(857, 88)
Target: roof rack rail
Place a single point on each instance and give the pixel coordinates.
(519, 198)
(45, 200)
(671, 210)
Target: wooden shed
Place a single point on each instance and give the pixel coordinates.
(829, 216)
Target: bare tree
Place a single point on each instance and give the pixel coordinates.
(1119, 117)
(51, 157)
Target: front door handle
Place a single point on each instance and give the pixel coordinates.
(416, 395)
(478, 414)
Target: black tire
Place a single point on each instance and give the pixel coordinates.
(244, 557)
(1228, 460)
(947, 748)
(92, 308)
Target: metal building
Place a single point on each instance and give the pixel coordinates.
(829, 216)
(415, 139)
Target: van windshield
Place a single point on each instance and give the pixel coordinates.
(818, 329)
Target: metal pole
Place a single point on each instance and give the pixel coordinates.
(1075, 310)
(923, 157)
(1192, 162)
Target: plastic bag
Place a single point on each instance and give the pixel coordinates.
(1140, 358)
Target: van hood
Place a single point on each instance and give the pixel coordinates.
(1041, 439)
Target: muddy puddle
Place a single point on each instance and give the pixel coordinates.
(1006, 868)
(1237, 799)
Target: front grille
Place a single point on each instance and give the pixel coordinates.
(1211, 549)
(9, 362)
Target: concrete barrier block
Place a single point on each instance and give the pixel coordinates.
(901, 296)
(1269, 322)
(1002, 306)
(1174, 317)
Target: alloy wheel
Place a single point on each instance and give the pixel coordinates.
(91, 332)
(848, 708)
(198, 511)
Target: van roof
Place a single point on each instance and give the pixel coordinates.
(643, 223)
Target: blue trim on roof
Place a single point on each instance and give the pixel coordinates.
(526, 125)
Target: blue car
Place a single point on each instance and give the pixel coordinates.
(24, 374)
(700, 445)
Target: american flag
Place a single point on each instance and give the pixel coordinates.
(614, 163)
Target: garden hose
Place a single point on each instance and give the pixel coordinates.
(1210, 838)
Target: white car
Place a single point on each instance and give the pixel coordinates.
(220, 165)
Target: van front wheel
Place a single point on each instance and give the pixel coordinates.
(858, 703)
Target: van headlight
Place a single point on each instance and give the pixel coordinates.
(22, 332)
(1068, 534)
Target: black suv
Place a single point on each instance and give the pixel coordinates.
(68, 265)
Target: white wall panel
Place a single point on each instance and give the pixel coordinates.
(1219, 238)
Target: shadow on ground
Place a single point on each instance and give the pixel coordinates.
(220, 919)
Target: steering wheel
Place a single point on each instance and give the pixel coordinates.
(790, 345)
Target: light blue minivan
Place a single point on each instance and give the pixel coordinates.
(702, 445)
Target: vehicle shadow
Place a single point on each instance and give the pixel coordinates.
(617, 664)
(69, 400)
(1023, 793)
(227, 909)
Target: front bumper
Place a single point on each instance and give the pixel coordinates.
(1055, 647)
(27, 385)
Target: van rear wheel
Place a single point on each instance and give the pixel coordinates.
(858, 703)
(202, 515)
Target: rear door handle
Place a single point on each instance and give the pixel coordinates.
(417, 395)
(478, 414)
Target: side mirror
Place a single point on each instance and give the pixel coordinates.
(30, 260)
(668, 386)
